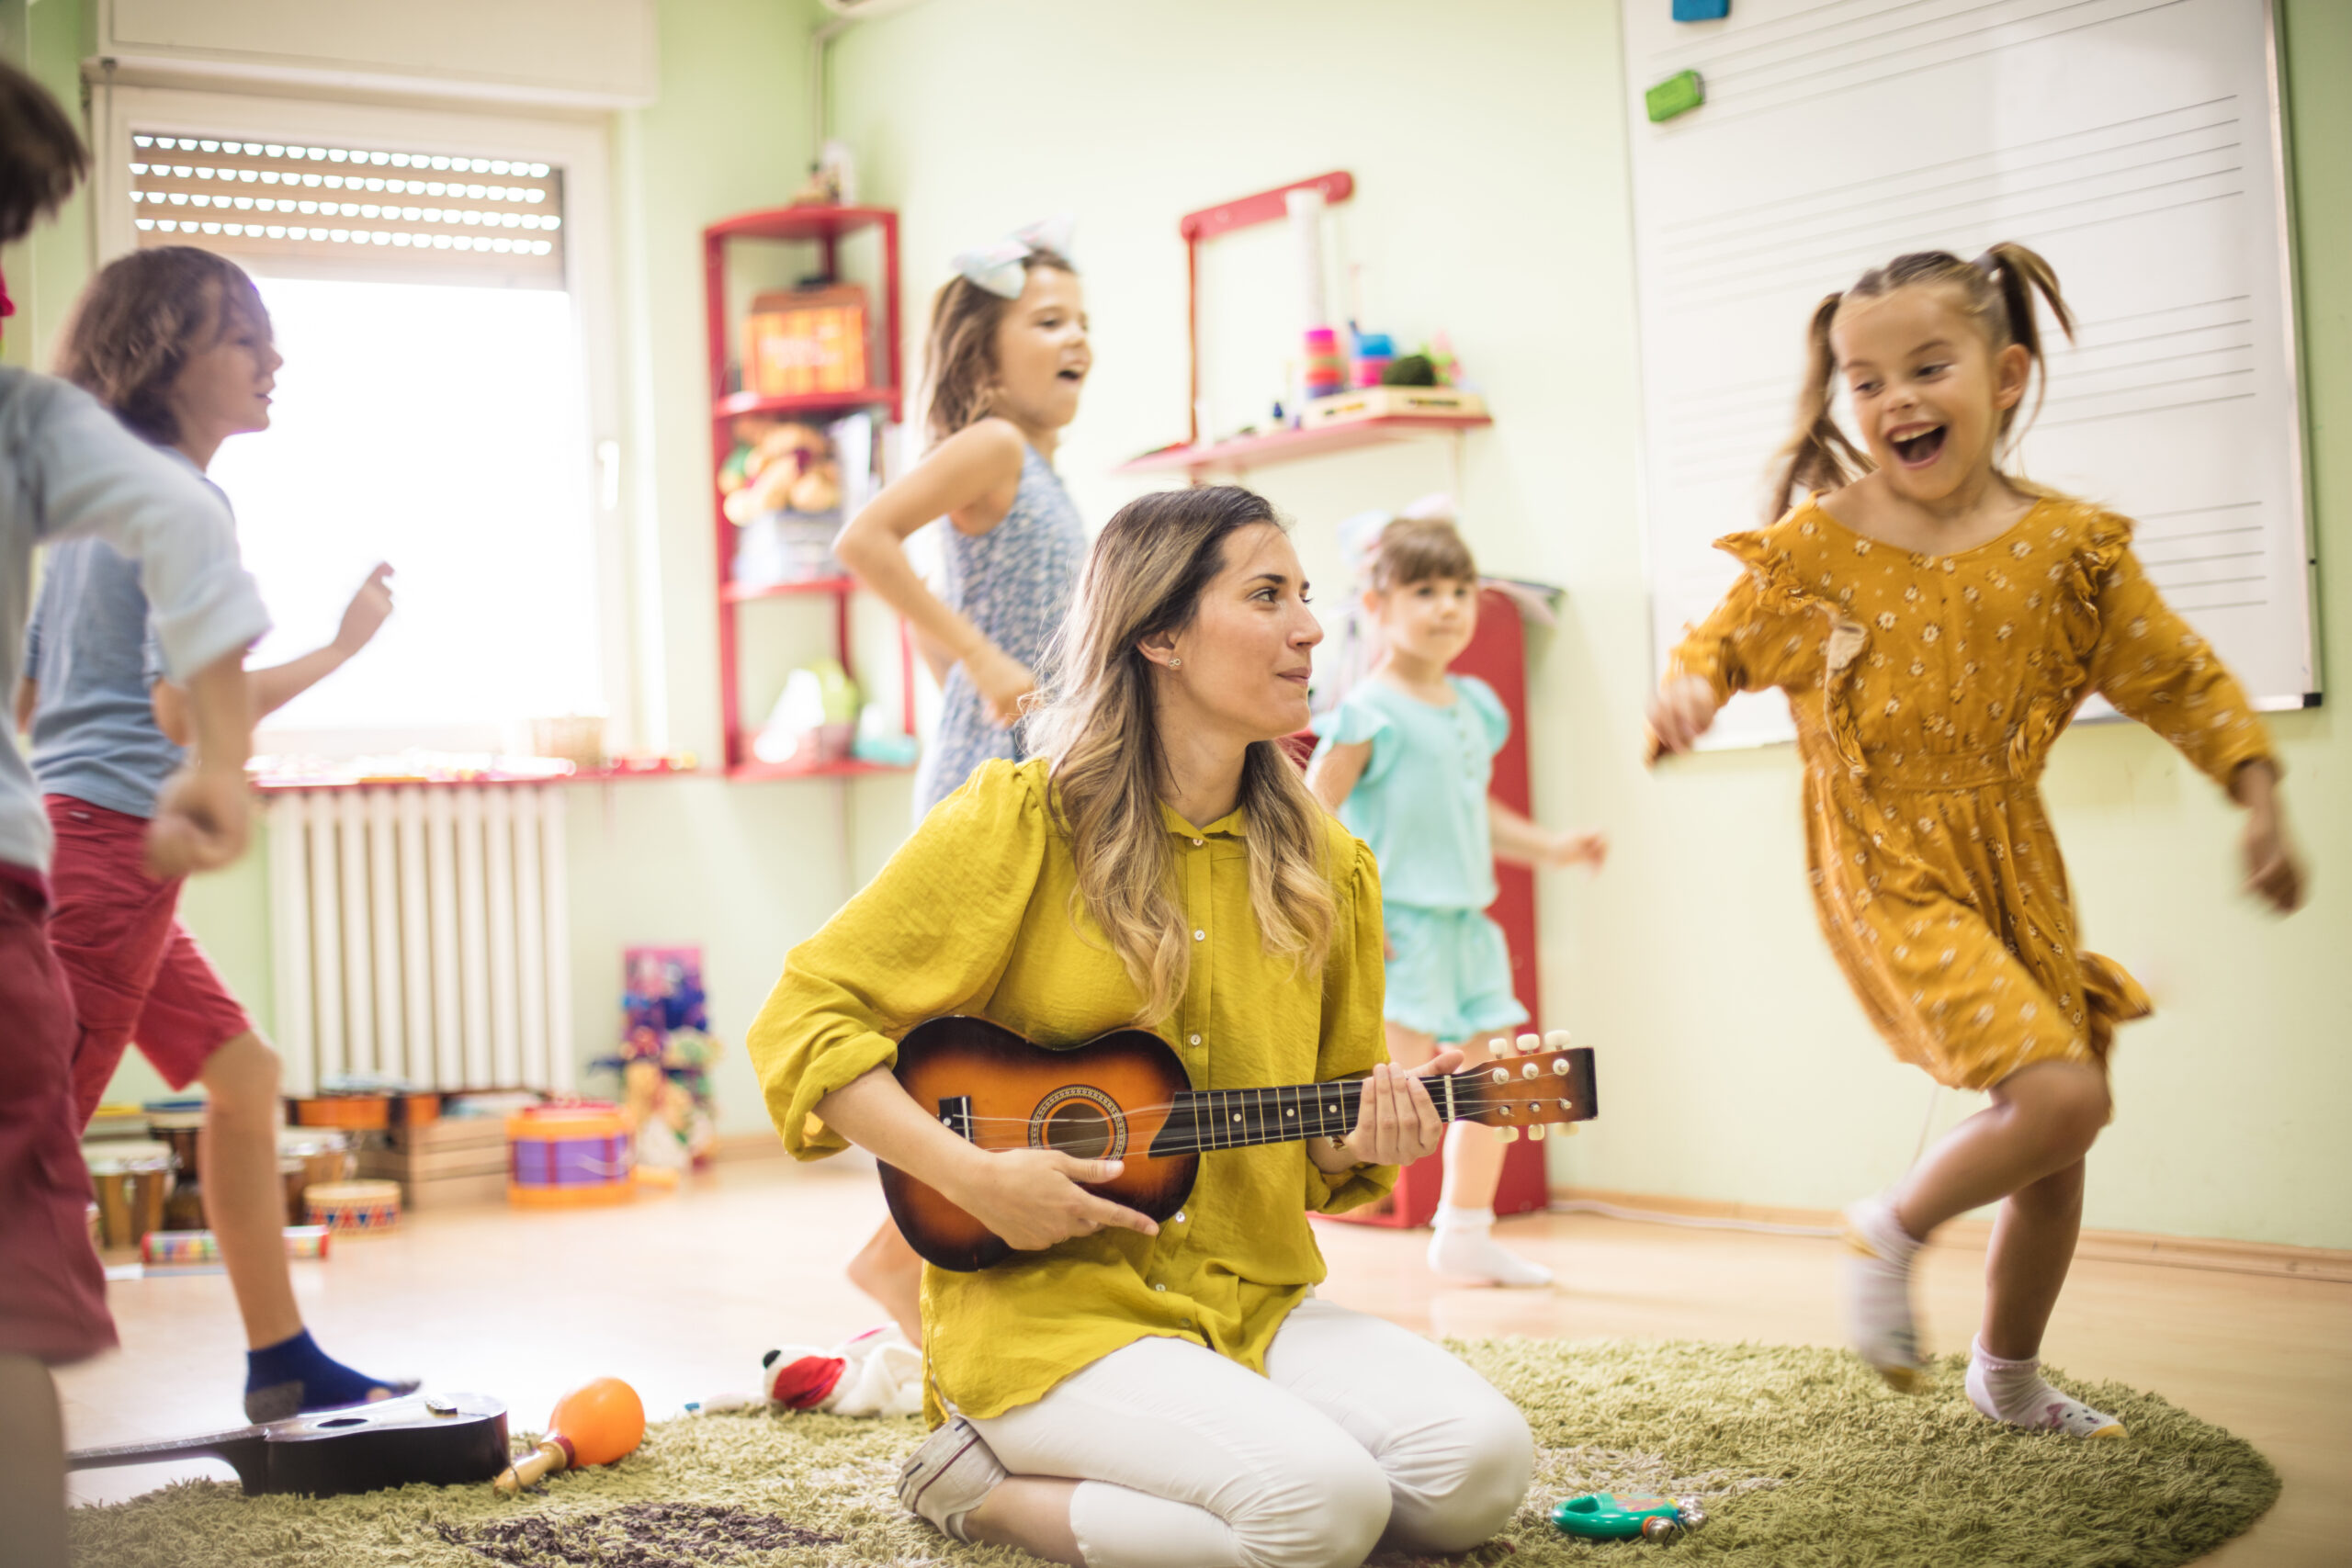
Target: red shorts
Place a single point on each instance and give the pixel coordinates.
(52, 1293)
(135, 972)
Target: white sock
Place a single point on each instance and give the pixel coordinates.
(1878, 1292)
(1464, 1244)
(2017, 1393)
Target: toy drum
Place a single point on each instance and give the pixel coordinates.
(308, 1158)
(355, 1208)
(180, 1123)
(567, 1157)
(129, 1179)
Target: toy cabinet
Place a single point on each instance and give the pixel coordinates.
(855, 368)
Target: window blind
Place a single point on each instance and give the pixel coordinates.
(351, 211)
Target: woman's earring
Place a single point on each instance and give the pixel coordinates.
(1174, 663)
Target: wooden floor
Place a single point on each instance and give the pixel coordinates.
(682, 1293)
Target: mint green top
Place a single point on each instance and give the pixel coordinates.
(1421, 803)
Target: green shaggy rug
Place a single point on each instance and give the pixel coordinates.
(1802, 1459)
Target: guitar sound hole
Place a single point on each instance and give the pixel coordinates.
(345, 1421)
(1079, 1128)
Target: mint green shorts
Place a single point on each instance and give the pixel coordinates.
(1451, 977)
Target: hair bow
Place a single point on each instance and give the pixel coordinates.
(998, 267)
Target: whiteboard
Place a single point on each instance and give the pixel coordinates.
(2133, 142)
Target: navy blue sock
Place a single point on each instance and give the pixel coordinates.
(295, 1375)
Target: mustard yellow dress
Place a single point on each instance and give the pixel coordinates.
(1927, 690)
(977, 914)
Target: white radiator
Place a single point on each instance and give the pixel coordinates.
(419, 933)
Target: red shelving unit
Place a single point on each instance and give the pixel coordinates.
(824, 227)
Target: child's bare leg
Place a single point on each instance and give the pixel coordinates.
(1462, 1243)
(2043, 1121)
(243, 1198)
(2043, 1118)
(886, 1269)
(32, 1465)
(285, 1372)
(2033, 1246)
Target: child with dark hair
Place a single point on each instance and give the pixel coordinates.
(1404, 762)
(1935, 621)
(68, 469)
(176, 341)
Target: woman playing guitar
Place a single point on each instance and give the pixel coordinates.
(1122, 1393)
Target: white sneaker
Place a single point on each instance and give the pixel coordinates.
(951, 1474)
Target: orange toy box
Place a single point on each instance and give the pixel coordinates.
(806, 341)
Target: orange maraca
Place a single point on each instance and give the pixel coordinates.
(596, 1423)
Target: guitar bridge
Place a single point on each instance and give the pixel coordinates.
(956, 1115)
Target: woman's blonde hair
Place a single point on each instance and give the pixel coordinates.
(960, 354)
(1997, 290)
(1099, 723)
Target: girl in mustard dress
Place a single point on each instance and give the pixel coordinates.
(1935, 622)
(1120, 1393)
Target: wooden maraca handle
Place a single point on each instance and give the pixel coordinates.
(552, 1454)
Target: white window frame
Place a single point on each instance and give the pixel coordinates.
(578, 147)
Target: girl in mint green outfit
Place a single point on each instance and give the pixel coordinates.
(1405, 760)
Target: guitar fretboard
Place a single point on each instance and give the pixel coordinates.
(1237, 1118)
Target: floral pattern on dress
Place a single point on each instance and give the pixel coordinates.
(1015, 583)
(1928, 692)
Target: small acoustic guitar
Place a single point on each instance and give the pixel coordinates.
(1125, 1097)
(449, 1439)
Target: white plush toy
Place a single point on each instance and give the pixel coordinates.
(876, 1373)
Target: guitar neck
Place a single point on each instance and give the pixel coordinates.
(1240, 1118)
(229, 1445)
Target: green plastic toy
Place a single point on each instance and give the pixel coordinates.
(1679, 94)
(1603, 1516)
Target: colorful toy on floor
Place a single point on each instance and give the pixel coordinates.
(355, 1208)
(190, 1250)
(876, 1373)
(599, 1422)
(1603, 1516)
(565, 1156)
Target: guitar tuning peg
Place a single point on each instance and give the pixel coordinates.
(1500, 1075)
(1498, 1046)
(1530, 1044)
(1507, 1134)
(1536, 1132)
(1556, 1040)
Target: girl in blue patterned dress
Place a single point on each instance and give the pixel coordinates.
(1007, 357)
(1405, 760)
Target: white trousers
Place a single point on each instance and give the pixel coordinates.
(1359, 1429)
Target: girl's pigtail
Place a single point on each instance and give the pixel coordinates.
(1817, 456)
(2019, 274)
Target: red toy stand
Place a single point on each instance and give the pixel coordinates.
(1497, 655)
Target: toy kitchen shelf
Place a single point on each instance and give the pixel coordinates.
(1239, 454)
(824, 227)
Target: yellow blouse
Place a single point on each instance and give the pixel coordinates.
(977, 913)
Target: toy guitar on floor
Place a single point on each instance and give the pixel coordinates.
(441, 1439)
(1125, 1097)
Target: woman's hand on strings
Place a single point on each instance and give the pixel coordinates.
(1396, 1123)
(1032, 1198)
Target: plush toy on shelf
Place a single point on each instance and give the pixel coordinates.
(814, 719)
(779, 466)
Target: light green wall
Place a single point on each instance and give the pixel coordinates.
(1489, 146)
